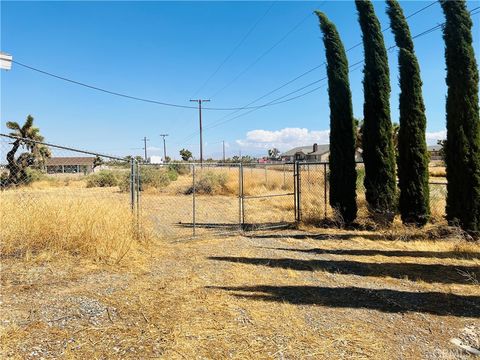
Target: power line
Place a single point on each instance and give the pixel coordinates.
(276, 101)
(265, 53)
(235, 48)
(246, 107)
(163, 103)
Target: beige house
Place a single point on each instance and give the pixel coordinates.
(313, 153)
(70, 165)
(435, 152)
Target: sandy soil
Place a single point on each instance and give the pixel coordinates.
(270, 295)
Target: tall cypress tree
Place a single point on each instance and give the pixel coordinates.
(378, 149)
(343, 174)
(412, 147)
(462, 148)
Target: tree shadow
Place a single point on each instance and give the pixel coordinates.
(432, 273)
(433, 234)
(389, 253)
(385, 300)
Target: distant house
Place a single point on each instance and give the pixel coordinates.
(435, 152)
(70, 165)
(313, 153)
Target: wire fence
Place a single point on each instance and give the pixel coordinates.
(313, 192)
(174, 200)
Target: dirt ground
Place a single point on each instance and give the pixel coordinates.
(270, 295)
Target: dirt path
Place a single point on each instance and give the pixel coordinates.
(273, 295)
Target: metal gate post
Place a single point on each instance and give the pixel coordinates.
(241, 211)
(193, 199)
(299, 192)
(138, 188)
(132, 184)
(325, 190)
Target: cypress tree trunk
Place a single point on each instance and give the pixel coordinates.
(462, 148)
(412, 147)
(343, 174)
(378, 150)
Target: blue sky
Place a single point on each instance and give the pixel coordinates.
(165, 51)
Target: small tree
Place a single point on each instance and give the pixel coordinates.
(185, 154)
(462, 149)
(378, 150)
(273, 153)
(343, 175)
(36, 153)
(98, 161)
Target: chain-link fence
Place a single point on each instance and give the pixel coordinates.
(313, 192)
(174, 200)
(268, 194)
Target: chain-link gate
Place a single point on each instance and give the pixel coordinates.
(268, 195)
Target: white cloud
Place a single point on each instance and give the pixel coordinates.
(283, 139)
(287, 138)
(433, 137)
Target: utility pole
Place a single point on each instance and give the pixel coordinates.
(199, 101)
(164, 147)
(223, 142)
(145, 147)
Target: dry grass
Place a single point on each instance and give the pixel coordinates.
(281, 295)
(101, 229)
(437, 171)
(314, 294)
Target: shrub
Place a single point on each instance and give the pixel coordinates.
(180, 169)
(209, 183)
(104, 178)
(150, 178)
(30, 175)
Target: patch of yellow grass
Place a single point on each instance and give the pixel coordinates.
(438, 171)
(99, 229)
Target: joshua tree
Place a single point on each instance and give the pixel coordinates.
(185, 154)
(36, 152)
(343, 175)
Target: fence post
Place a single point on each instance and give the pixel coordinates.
(299, 191)
(325, 190)
(284, 184)
(295, 191)
(138, 196)
(241, 211)
(193, 199)
(132, 184)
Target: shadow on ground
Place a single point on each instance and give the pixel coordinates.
(385, 300)
(432, 273)
(244, 226)
(389, 253)
(434, 234)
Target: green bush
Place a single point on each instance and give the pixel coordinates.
(104, 178)
(209, 183)
(150, 177)
(180, 169)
